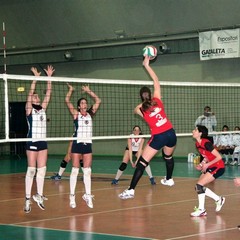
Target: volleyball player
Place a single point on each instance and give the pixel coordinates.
(58, 176)
(134, 147)
(212, 167)
(36, 150)
(83, 146)
(162, 135)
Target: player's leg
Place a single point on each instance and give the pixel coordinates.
(73, 178)
(87, 172)
(122, 167)
(149, 173)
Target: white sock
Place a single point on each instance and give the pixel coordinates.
(73, 180)
(201, 201)
(211, 194)
(149, 172)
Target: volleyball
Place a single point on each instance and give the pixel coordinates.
(150, 51)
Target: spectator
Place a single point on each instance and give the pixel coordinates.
(236, 145)
(224, 144)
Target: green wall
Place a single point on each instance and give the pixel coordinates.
(171, 67)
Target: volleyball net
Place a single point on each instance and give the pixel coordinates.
(183, 101)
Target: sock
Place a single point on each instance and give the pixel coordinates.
(201, 201)
(149, 172)
(211, 194)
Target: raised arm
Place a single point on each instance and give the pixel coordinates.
(70, 106)
(28, 107)
(156, 84)
(49, 71)
(97, 100)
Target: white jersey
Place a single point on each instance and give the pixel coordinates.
(209, 122)
(236, 139)
(83, 128)
(37, 127)
(225, 140)
(135, 143)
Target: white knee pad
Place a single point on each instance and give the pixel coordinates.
(74, 171)
(31, 172)
(87, 171)
(41, 172)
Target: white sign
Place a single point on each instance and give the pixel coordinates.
(219, 44)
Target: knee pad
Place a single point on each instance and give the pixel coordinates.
(74, 171)
(141, 164)
(31, 172)
(41, 172)
(200, 189)
(63, 164)
(87, 171)
(123, 166)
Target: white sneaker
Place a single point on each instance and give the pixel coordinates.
(233, 163)
(72, 201)
(127, 194)
(27, 206)
(88, 199)
(198, 212)
(168, 182)
(39, 200)
(219, 204)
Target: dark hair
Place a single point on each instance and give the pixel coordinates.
(202, 129)
(207, 107)
(138, 127)
(145, 90)
(225, 126)
(79, 101)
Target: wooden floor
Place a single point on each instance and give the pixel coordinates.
(156, 212)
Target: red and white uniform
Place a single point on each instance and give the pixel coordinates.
(156, 118)
(135, 143)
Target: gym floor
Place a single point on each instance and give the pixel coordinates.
(156, 212)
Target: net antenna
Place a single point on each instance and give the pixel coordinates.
(4, 49)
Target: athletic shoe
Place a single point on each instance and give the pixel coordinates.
(219, 204)
(88, 199)
(56, 177)
(39, 200)
(152, 181)
(198, 212)
(127, 194)
(114, 182)
(226, 162)
(72, 201)
(168, 182)
(233, 163)
(27, 207)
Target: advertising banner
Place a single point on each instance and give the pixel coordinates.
(219, 44)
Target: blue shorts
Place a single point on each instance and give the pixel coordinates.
(81, 148)
(168, 139)
(36, 146)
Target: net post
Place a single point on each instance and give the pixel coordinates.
(6, 106)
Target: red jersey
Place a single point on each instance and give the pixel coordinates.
(156, 118)
(205, 148)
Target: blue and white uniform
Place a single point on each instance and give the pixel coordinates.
(83, 132)
(37, 128)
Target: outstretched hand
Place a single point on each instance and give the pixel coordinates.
(70, 87)
(85, 88)
(35, 71)
(49, 71)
